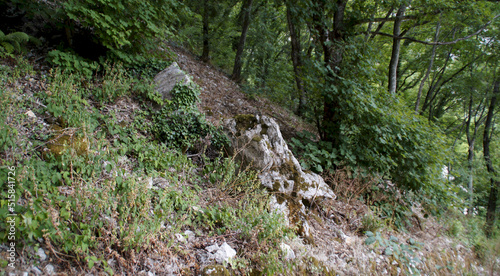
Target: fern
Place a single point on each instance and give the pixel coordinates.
(13, 42)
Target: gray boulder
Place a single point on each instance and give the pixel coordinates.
(168, 78)
(257, 142)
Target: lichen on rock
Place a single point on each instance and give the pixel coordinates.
(257, 142)
(62, 140)
(167, 79)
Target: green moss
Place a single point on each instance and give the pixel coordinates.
(276, 186)
(257, 138)
(215, 270)
(264, 129)
(61, 141)
(289, 170)
(245, 121)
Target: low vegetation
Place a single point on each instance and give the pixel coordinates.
(84, 183)
(105, 176)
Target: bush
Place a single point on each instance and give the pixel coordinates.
(180, 124)
(126, 28)
(72, 63)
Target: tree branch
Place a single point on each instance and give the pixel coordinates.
(440, 43)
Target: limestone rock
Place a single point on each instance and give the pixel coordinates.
(287, 251)
(263, 147)
(168, 78)
(41, 254)
(257, 142)
(49, 269)
(221, 254)
(190, 235)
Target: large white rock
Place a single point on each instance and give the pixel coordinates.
(168, 78)
(257, 141)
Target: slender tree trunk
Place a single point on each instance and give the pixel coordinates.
(471, 140)
(331, 42)
(429, 69)
(396, 47)
(494, 182)
(247, 10)
(296, 59)
(205, 55)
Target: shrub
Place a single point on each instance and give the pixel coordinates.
(180, 124)
(72, 63)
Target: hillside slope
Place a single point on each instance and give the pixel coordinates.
(131, 206)
(222, 98)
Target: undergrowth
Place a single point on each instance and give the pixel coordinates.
(98, 193)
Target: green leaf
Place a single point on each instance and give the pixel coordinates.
(370, 240)
(388, 251)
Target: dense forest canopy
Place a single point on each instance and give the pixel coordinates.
(401, 88)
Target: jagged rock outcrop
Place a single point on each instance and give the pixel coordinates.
(168, 78)
(257, 142)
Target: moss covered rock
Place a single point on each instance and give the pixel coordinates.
(63, 140)
(215, 270)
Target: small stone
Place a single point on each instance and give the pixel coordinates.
(30, 114)
(197, 209)
(287, 251)
(49, 269)
(36, 270)
(180, 237)
(224, 254)
(190, 235)
(212, 248)
(348, 240)
(40, 253)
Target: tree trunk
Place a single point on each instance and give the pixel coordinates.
(205, 56)
(330, 41)
(471, 140)
(494, 182)
(431, 63)
(247, 10)
(396, 46)
(296, 59)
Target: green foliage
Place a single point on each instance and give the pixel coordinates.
(181, 125)
(72, 63)
(402, 253)
(370, 223)
(113, 84)
(126, 28)
(316, 156)
(82, 204)
(66, 99)
(13, 42)
(185, 96)
(249, 217)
